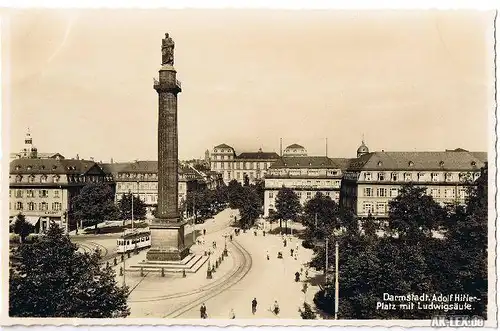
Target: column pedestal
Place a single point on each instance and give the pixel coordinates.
(167, 241)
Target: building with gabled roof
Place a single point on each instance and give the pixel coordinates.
(42, 189)
(373, 179)
(306, 176)
(251, 165)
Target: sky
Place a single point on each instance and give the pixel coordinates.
(82, 80)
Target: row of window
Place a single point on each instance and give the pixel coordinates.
(434, 192)
(31, 193)
(241, 165)
(33, 206)
(420, 176)
(308, 194)
(304, 183)
(138, 175)
(42, 179)
(375, 208)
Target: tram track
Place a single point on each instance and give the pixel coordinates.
(213, 290)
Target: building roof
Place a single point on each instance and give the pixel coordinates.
(310, 162)
(458, 161)
(143, 167)
(52, 166)
(294, 146)
(258, 156)
(483, 156)
(223, 146)
(342, 163)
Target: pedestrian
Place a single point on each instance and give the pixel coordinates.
(204, 231)
(267, 252)
(254, 306)
(291, 252)
(231, 237)
(276, 308)
(203, 311)
(307, 273)
(297, 276)
(231, 314)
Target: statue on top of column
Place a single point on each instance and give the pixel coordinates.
(167, 50)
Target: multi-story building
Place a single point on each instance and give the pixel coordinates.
(306, 175)
(41, 189)
(373, 179)
(140, 178)
(251, 165)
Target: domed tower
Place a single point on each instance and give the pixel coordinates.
(295, 150)
(363, 149)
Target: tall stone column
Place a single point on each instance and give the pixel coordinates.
(167, 232)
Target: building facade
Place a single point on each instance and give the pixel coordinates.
(41, 189)
(140, 178)
(374, 179)
(306, 176)
(251, 165)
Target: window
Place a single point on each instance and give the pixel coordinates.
(10, 193)
(449, 193)
(394, 176)
(43, 179)
(271, 195)
(435, 177)
(308, 195)
(381, 208)
(31, 206)
(19, 205)
(44, 206)
(381, 176)
(462, 193)
(19, 194)
(56, 206)
(299, 194)
(407, 176)
(368, 192)
(43, 193)
(420, 176)
(394, 192)
(31, 179)
(368, 176)
(238, 175)
(448, 177)
(367, 207)
(435, 192)
(19, 178)
(381, 192)
(30, 193)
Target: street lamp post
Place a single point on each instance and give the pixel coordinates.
(336, 279)
(194, 218)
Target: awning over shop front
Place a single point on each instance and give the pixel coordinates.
(33, 220)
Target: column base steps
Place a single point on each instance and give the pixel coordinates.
(190, 264)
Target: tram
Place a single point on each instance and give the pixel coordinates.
(133, 240)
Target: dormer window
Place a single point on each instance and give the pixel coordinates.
(368, 176)
(31, 179)
(410, 164)
(381, 176)
(407, 176)
(54, 167)
(56, 178)
(43, 179)
(435, 177)
(473, 163)
(421, 176)
(394, 176)
(441, 163)
(379, 163)
(42, 167)
(29, 167)
(19, 178)
(448, 176)
(18, 167)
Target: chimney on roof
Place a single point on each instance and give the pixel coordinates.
(260, 150)
(77, 157)
(281, 146)
(91, 158)
(111, 160)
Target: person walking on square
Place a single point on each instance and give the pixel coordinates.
(203, 311)
(254, 306)
(276, 308)
(267, 253)
(231, 314)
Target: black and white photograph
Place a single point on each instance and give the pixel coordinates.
(248, 167)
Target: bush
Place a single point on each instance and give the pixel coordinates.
(307, 313)
(321, 301)
(14, 238)
(308, 244)
(32, 237)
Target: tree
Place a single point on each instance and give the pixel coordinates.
(125, 207)
(235, 194)
(307, 313)
(287, 205)
(413, 214)
(251, 209)
(95, 203)
(321, 215)
(52, 279)
(22, 227)
(260, 189)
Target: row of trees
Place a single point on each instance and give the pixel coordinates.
(423, 248)
(96, 203)
(49, 277)
(248, 199)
